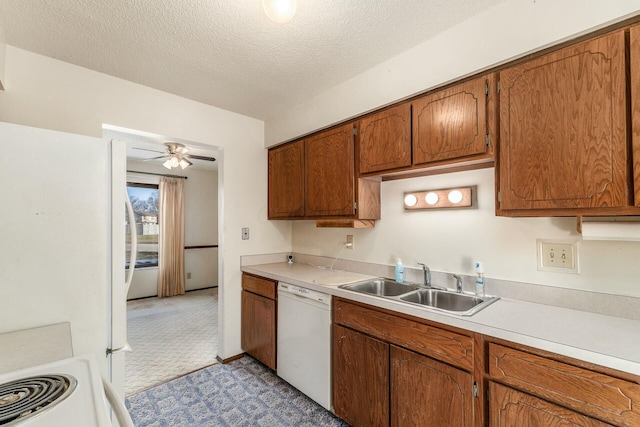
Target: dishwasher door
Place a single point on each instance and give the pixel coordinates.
(304, 341)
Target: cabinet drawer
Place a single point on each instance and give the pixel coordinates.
(259, 285)
(602, 396)
(440, 344)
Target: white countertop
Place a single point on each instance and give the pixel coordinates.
(604, 340)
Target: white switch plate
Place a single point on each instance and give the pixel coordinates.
(558, 256)
(245, 233)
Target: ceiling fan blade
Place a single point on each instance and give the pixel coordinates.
(146, 149)
(193, 156)
(156, 158)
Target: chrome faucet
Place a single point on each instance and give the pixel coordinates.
(458, 283)
(427, 274)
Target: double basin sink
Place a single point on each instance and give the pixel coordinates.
(428, 297)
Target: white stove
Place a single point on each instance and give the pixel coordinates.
(65, 393)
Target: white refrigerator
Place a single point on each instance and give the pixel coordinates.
(62, 239)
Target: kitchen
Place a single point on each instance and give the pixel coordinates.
(47, 93)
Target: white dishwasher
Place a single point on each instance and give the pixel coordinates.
(304, 341)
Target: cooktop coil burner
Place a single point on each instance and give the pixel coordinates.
(26, 397)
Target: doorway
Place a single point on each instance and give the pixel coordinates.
(170, 336)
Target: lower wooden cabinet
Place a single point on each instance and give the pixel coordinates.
(379, 383)
(360, 378)
(512, 408)
(425, 392)
(259, 316)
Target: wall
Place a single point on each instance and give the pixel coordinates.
(201, 228)
(3, 49)
(51, 94)
(451, 240)
(507, 31)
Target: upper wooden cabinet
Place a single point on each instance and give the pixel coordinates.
(635, 107)
(452, 123)
(286, 181)
(330, 175)
(385, 140)
(315, 178)
(563, 130)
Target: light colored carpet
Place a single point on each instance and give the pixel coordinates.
(170, 337)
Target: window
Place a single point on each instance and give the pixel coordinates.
(144, 200)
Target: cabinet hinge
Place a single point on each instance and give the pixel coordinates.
(355, 131)
(499, 197)
(487, 392)
(475, 389)
(486, 89)
(498, 86)
(487, 140)
(355, 206)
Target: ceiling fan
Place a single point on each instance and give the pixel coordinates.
(176, 155)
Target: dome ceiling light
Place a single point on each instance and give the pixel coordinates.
(279, 11)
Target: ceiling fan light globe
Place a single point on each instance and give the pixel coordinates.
(184, 163)
(167, 164)
(174, 162)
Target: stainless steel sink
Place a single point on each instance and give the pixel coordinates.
(448, 301)
(381, 287)
(431, 298)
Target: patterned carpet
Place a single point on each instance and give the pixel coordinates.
(241, 393)
(170, 337)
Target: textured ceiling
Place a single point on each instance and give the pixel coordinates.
(227, 53)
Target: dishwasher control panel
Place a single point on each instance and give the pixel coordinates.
(304, 292)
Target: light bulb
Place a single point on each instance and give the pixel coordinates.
(431, 198)
(455, 196)
(410, 200)
(279, 11)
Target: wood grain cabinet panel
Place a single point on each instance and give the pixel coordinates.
(385, 140)
(563, 129)
(635, 107)
(330, 173)
(427, 393)
(452, 123)
(440, 344)
(511, 408)
(591, 393)
(360, 378)
(286, 181)
(258, 319)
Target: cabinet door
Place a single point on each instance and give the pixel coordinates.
(425, 392)
(360, 378)
(563, 133)
(511, 408)
(329, 160)
(385, 140)
(258, 335)
(451, 123)
(635, 107)
(286, 181)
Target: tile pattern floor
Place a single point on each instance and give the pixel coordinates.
(170, 337)
(241, 393)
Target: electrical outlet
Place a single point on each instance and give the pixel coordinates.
(558, 256)
(245, 233)
(349, 241)
(188, 275)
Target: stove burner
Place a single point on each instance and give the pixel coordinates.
(26, 397)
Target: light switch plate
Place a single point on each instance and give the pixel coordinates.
(558, 256)
(245, 233)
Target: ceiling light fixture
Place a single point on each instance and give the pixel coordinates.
(460, 197)
(176, 160)
(279, 11)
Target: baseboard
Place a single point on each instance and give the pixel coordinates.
(229, 359)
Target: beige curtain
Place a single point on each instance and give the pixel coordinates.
(171, 238)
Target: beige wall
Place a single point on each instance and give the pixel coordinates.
(50, 94)
(451, 240)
